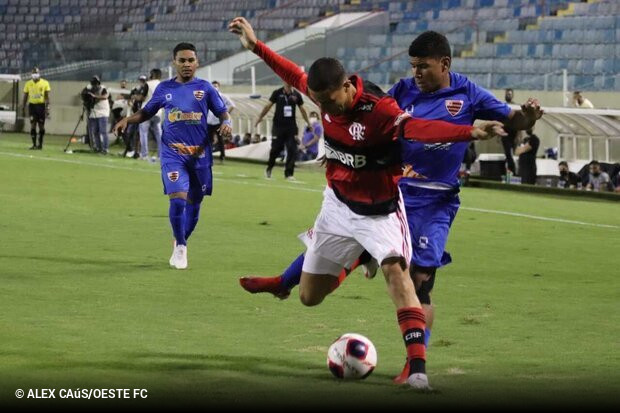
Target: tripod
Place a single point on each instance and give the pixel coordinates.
(81, 118)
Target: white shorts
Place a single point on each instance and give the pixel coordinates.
(340, 235)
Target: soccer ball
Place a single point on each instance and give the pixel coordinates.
(352, 356)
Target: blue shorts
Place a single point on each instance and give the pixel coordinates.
(430, 214)
(192, 175)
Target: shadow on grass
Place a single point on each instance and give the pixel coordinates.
(216, 363)
(107, 262)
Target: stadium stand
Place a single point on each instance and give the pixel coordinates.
(499, 43)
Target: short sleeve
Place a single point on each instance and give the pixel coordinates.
(274, 96)
(156, 102)
(300, 99)
(487, 106)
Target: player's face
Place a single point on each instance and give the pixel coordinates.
(186, 63)
(334, 101)
(429, 73)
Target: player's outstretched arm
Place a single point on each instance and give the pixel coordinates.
(138, 117)
(526, 117)
(487, 130)
(286, 69)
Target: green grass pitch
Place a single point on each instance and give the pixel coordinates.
(528, 313)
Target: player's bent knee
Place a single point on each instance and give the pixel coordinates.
(389, 263)
(424, 279)
(175, 195)
(310, 300)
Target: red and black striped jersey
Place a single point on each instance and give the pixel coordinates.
(361, 148)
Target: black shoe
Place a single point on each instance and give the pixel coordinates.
(268, 173)
(39, 147)
(33, 147)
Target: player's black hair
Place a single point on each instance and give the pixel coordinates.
(563, 163)
(595, 163)
(430, 44)
(325, 73)
(183, 46)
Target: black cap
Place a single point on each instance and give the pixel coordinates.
(95, 79)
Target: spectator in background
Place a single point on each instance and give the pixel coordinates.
(510, 140)
(568, 179)
(616, 183)
(120, 105)
(256, 138)
(98, 117)
(284, 130)
(579, 101)
(153, 124)
(214, 122)
(310, 142)
(247, 139)
(598, 181)
(526, 152)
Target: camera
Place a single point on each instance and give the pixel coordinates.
(93, 87)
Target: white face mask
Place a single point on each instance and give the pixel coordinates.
(35, 76)
(313, 119)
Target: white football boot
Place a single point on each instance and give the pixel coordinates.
(419, 381)
(370, 268)
(180, 257)
(174, 246)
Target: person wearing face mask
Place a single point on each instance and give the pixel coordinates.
(598, 181)
(37, 96)
(284, 129)
(310, 142)
(526, 152)
(568, 179)
(509, 141)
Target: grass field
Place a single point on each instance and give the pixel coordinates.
(528, 313)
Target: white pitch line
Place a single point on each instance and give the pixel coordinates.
(517, 214)
(298, 187)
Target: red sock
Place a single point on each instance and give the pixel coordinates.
(345, 272)
(412, 323)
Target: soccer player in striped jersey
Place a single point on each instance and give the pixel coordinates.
(362, 206)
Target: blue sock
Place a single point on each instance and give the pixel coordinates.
(292, 275)
(177, 219)
(427, 336)
(191, 218)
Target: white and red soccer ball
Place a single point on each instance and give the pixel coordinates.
(352, 356)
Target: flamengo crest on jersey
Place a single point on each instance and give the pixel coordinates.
(357, 131)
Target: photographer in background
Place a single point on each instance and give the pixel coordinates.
(95, 98)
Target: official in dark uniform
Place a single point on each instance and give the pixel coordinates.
(284, 130)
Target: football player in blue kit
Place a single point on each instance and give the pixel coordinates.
(430, 183)
(186, 157)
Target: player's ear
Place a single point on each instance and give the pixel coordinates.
(445, 63)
